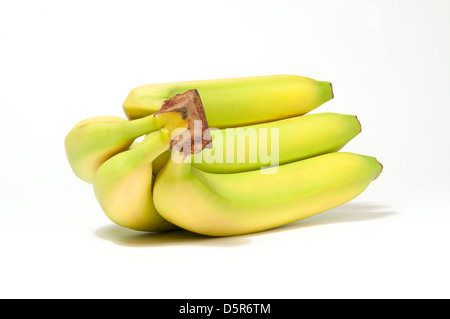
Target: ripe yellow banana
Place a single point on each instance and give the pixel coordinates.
(259, 146)
(237, 101)
(279, 142)
(123, 185)
(91, 142)
(213, 193)
(240, 203)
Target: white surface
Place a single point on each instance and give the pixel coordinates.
(388, 62)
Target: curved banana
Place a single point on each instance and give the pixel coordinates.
(123, 185)
(279, 142)
(92, 141)
(240, 203)
(237, 102)
(259, 146)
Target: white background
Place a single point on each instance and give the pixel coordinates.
(61, 62)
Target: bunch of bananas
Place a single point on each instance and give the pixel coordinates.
(173, 180)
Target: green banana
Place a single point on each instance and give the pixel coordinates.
(241, 203)
(237, 102)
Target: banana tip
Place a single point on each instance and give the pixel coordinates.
(359, 123)
(380, 170)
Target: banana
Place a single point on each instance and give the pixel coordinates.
(123, 185)
(241, 203)
(253, 147)
(235, 102)
(140, 185)
(279, 142)
(92, 141)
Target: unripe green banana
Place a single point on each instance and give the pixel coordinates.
(241, 203)
(237, 101)
(123, 185)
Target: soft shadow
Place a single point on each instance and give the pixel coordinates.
(350, 212)
(127, 237)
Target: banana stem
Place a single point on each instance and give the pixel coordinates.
(144, 125)
(177, 168)
(186, 110)
(154, 144)
(181, 111)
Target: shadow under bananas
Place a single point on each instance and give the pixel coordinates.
(350, 212)
(127, 237)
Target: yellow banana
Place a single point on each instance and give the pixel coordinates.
(123, 185)
(279, 142)
(241, 203)
(237, 102)
(92, 141)
(257, 146)
(141, 186)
